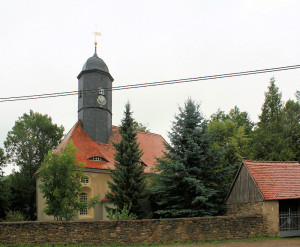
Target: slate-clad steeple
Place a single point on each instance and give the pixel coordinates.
(95, 99)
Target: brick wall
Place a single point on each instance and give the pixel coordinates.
(130, 232)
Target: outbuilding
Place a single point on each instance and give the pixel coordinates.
(269, 188)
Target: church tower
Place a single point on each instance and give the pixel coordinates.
(95, 99)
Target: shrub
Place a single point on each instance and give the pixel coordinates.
(13, 216)
(123, 215)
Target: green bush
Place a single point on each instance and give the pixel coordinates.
(13, 216)
(123, 215)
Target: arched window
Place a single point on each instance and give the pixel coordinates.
(83, 198)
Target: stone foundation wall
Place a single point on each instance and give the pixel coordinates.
(132, 232)
(245, 209)
(269, 210)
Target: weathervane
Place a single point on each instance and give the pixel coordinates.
(96, 34)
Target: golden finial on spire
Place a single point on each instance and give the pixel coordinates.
(96, 34)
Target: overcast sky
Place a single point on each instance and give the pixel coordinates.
(43, 45)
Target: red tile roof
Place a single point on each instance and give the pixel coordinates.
(276, 180)
(151, 144)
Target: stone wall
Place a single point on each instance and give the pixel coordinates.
(131, 232)
(269, 210)
(245, 209)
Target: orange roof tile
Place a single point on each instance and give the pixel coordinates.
(151, 144)
(276, 180)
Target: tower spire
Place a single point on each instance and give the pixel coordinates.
(96, 34)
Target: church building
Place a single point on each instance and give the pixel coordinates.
(93, 135)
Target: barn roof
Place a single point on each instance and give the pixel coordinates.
(151, 144)
(276, 180)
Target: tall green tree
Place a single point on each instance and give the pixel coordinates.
(291, 131)
(242, 119)
(141, 127)
(128, 183)
(29, 141)
(61, 186)
(232, 140)
(4, 188)
(188, 180)
(269, 142)
(2, 162)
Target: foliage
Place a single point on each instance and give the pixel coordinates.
(233, 132)
(236, 116)
(2, 161)
(4, 188)
(187, 183)
(60, 176)
(13, 216)
(128, 183)
(124, 214)
(291, 132)
(140, 127)
(5, 195)
(32, 136)
(233, 142)
(30, 140)
(274, 138)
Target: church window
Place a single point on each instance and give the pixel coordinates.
(97, 158)
(84, 179)
(84, 198)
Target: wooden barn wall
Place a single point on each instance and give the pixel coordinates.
(244, 189)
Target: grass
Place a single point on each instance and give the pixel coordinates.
(144, 245)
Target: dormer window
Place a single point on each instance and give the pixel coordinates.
(141, 163)
(97, 158)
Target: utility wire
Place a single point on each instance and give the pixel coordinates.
(150, 84)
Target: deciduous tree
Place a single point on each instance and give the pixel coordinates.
(29, 141)
(242, 119)
(61, 186)
(291, 120)
(4, 188)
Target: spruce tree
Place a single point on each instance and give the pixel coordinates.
(128, 183)
(187, 183)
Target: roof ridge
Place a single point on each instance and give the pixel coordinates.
(139, 131)
(67, 137)
(269, 161)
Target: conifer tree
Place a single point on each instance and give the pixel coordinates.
(128, 183)
(188, 180)
(268, 139)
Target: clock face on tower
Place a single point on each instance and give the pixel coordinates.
(101, 100)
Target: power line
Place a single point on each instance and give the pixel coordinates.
(150, 84)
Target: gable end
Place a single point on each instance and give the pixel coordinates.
(244, 188)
